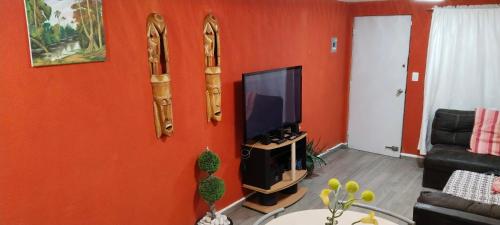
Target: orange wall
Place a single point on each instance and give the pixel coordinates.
(77, 142)
(421, 18)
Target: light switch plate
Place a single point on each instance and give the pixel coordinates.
(415, 76)
(333, 45)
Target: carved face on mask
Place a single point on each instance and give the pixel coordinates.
(162, 105)
(160, 79)
(212, 68)
(214, 94)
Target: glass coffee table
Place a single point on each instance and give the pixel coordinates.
(318, 217)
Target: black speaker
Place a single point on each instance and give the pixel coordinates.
(267, 199)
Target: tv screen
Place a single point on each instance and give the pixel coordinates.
(273, 100)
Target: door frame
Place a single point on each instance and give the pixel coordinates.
(351, 44)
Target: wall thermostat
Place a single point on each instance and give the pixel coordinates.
(333, 45)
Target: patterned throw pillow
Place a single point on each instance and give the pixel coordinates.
(486, 133)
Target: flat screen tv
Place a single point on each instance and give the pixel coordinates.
(272, 100)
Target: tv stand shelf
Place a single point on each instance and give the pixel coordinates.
(285, 183)
(274, 145)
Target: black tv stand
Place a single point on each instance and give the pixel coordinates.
(273, 171)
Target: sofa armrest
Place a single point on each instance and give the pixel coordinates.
(428, 214)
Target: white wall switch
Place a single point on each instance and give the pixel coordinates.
(333, 45)
(414, 76)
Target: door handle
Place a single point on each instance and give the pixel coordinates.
(393, 148)
(399, 92)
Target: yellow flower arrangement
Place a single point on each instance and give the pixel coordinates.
(370, 219)
(343, 201)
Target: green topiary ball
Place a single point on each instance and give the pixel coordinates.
(211, 189)
(208, 162)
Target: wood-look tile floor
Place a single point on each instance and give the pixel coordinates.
(397, 182)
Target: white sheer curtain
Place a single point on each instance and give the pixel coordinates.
(463, 62)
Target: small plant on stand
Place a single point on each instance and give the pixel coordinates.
(343, 200)
(211, 188)
(312, 158)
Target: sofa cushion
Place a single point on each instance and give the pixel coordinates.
(453, 127)
(485, 137)
(443, 147)
(454, 157)
(452, 202)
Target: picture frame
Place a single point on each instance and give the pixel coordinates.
(65, 31)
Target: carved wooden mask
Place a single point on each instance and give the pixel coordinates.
(212, 68)
(160, 80)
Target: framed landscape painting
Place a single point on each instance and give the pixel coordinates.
(65, 31)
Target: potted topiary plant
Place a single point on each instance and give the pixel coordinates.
(211, 189)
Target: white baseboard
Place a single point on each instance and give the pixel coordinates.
(412, 156)
(331, 149)
(239, 201)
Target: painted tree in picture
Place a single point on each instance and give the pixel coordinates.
(65, 31)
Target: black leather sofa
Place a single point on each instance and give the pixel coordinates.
(438, 208)
(450, 137)
(451, 133)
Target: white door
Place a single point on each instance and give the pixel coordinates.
(378, 83)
